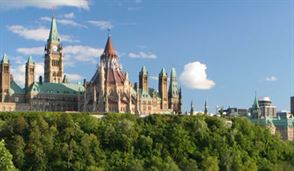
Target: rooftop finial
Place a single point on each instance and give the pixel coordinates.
(109, 32)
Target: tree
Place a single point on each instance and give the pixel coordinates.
(210, 164)
(5, 158)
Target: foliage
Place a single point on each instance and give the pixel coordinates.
(62, 141)
(5, 158)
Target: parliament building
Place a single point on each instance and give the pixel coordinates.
(109, 90)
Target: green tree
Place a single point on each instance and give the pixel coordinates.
(210, 164)
(6, 163)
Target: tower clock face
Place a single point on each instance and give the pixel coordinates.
(55, 48)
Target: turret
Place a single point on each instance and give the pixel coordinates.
(192, 110)
(65, 80)
(173, 92)
(53, 64)
(109, 56)
(5, 79)
(143, 79)
(255, 109)
(30, 73)
(205, 108)
(102, 77)
(162, 86)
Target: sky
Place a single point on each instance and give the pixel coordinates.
(223, 50)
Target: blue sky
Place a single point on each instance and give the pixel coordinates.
(231, 48)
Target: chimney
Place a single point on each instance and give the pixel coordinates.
(40, 80)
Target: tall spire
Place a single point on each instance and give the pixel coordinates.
(205, 108)
(163, 72)
(255, 103)
(192, 110)
(173, 85)
(144, 70)
(53, 31)
(30, 60)
(5, 59)
(109, 49)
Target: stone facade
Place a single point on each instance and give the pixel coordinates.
(54, 94)
(282, 127)
(280, 123)
(110, 89)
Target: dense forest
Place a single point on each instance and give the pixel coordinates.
(53, 141)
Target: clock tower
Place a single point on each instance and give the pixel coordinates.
(53, 63)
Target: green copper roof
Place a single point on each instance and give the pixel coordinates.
(152, 90)
(30, 60)
(145, 95)
(5, 59)
(289, 122)
(173, 73)
(144, 70)
(57, 88)
(15, 89)
(173, 85)
(53, 36)
(163, 72)
(255, 103)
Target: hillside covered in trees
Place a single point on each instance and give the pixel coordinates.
(51, 141)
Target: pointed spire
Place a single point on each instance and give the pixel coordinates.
(255, 103)
(192, 108)
(205, 108)
(53, 36)
(173, 72)
(5, 59)
(30, 60)
(173, 85)
(163, 72)
(109, 49)
(144, 70)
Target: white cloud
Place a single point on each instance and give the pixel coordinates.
(103, 25)
(153, 77)
(46, 4)
(74, 77)
(37, 34)
(142, 55)
(82, 53)
(18, 59)
(70, 15)
(31, 51)
(194, 76)
(19, 73)
(271, 78)
(70, 23)
(72, 53)
(67, 22)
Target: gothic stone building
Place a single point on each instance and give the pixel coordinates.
(110, 89)
(54, 94)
